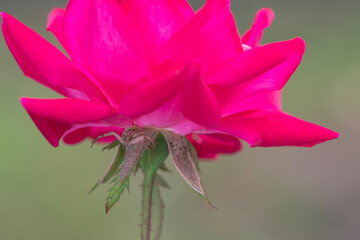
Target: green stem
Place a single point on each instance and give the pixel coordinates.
(148, 190)
(152, 204)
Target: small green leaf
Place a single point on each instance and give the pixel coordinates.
(146, 159)
(111, 169)
(115, 192)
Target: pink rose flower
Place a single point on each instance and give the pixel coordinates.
(157, 64)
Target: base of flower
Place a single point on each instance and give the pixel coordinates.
(146, 150)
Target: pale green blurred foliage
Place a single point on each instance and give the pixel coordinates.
(277, 193)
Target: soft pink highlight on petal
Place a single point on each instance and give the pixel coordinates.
(169, 116)
(44, 63)
(196, 101)
(269, 128)
(208, 146)
(263, 19)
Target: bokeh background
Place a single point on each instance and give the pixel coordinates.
(262, 194)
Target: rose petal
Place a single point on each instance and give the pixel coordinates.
(169, 116)
(54, 24)
(270, 128)
(44, 63)
(68, 110)
(211, 35)
(50, 129)
(210, 145)
(156, 21)
(239, 103)
(196, 101)
(152, 94)
(263, 19)
(101, 41)
(272, 65)
(79, 133)
(199, 103)
(54, 117)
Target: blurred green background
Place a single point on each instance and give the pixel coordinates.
(274, 193)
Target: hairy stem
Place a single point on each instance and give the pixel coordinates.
(147, 204)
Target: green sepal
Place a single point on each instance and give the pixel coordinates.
(112, 168)
(115, 192)
(152, 159)
(118, 161)
(194, 155)
(111, 145)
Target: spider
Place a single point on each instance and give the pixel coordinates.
(129, 137)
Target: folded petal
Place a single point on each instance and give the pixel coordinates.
(263, 19)
(156, 21)
(269, 66)
(50, 129)
(237, 103)
(101, 41)
(54, 117)
(54, 24)
(199, 103)
(44, 63)
(169, 117)
(68, 110)
(154, 93)
(271, 128)
(211, 35)
(189, 97)
(79, 133)
(210, 145)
